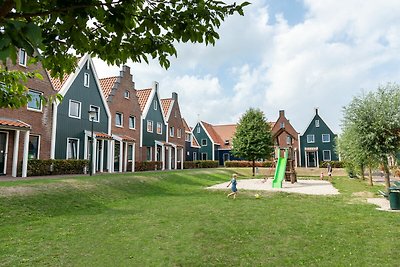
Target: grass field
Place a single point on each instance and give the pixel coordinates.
(169, 219)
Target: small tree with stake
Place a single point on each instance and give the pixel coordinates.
(253, 139)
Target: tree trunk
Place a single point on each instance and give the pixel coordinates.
(362, 169)
(371, 183)
(254, 166)
(387, 175)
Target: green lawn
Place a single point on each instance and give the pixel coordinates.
(169, 219)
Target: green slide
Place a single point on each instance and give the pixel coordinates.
(280, 171)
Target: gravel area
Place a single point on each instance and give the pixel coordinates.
(309, 187)
(382, 203)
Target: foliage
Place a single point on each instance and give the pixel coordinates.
(242, 163)
(371, 128)
(333, 163)
(40, 167)
(207, 163)
(169, 219)
(116, 31)
(253, 139)
(189, 165)
(148, 165)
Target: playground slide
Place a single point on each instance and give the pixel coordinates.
(280, 172)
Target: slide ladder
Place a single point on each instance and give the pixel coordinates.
(280, 170)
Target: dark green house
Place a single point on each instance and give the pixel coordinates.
(153, 138)
(208, 139)
(72, 123)
(317, 143)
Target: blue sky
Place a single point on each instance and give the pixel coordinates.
(283, 54)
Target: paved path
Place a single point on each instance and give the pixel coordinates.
(309, 187)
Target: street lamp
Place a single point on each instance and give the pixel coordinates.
(92, 115)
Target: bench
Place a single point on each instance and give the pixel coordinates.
(396, 183)
(384, 194)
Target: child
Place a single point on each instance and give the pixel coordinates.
(321, 176)
(233, 182)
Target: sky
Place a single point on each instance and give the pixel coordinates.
(290, 55)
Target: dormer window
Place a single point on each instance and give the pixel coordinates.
(317, 123)
(226, 142)
(86, 79)
(155, 104)
(22, 57)
(127, 94)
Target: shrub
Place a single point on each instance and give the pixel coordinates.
(148, 165)
(334, 164)
(207, 163)
(40, 167)
(190, 165)
(243, 163)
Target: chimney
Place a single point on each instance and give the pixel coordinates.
(316, 111)
(155, 86)
(175, 96)
(281, 113)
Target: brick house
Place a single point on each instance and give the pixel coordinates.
(25, 133)
(125, 118)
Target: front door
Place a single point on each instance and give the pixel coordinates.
(117, 152)
(3, 152)
(311, 159)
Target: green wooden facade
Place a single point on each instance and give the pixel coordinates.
(317, 143)
(206, 144)
(70, 127)
(155, 115)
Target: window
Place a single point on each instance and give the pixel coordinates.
(171, 131)
(96, 110)
(159, 128)
(203, 142)
(127, 94)
(194, 155)
(282, 125)
(132, 122)
(150, 126)
(326, 138)
(317, 123)
(187, 137)
(74, 109)
(198, 129)
(176, 114)
(326, 155)
(148, 153)
(310, 138)
(288, 140)
(86, 79)
(129, 156)
(36, 102)
(203, 156)
(22, 57)
(119, 118)
(72, 148)
(155, 104)
(179, 133)
(34, 144)
(226, 142)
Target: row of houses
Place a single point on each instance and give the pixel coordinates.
(111, 122)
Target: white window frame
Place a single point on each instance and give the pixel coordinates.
(288, 140)
(155, 104)
(127, 94)
(40, 101)
(122, 119)
(151, 124)
(202, 156)
(22, 55)
(323, 155)
(86, 79)
(149, 156)
(198, 129)
(203, 142)
(187, 137)
(310, 141)
(98, 113)
(329, 138)
(316, 123)
(77, 147)
(179, 133)
(194, 155)
(69, 109)
(159, 126)
(39, 141)
(282, 125)
(171, 131)
(132, 118)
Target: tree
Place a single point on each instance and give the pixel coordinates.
(375, 120)
(55, 32)
(253, 139)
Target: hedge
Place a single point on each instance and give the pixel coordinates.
(148, 165)
(40, 167)
(242, 163)
(334, 164)
(200, 164)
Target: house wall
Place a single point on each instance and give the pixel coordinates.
(72, 127)
(221, 153)
(318, 131)
(200, 136)
(175, 120)
(155, 116)
(41, 121)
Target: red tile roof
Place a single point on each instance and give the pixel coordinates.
(57, 83)
(127, 138)
(143, 96)
(214, 136)
(14, 123)
(103, 136)
(186, 126)
(107, 85)
(166, 103)
(194, 142)
(226, 133)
